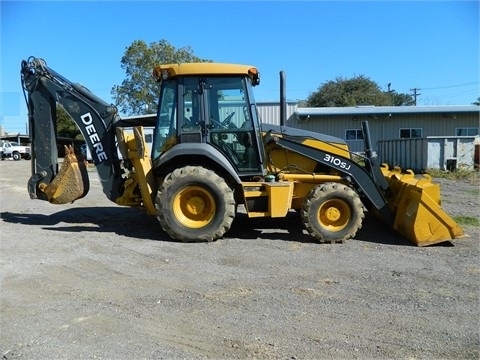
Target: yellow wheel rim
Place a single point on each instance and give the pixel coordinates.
(194, 207)
(334, 214)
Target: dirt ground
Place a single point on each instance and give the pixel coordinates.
(93, 280)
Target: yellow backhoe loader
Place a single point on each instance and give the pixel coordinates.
(210, 154)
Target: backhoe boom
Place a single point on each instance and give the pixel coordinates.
(95, 119)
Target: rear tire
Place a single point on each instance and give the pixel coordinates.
(195, 204)
(332, 212)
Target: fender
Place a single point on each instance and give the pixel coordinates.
(200, 149)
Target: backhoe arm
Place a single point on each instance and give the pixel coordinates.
(95, 119)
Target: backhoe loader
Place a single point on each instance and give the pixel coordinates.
(211, 154)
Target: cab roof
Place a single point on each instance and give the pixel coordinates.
(187, 69)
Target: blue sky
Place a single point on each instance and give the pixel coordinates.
(433, 46)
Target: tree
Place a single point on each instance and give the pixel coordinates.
(138, 93)
(66, 127)
(401, 99)
(356, 91)
(477, 102)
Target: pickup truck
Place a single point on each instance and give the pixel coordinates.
(10, 149)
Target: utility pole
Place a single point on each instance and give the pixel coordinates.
(415, 94)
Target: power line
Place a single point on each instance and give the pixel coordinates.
(416, 94)
(451, 86)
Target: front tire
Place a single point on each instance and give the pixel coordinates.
(195, 204)
(16, 156)
(332, 212)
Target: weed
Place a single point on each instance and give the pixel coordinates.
(454, 175)
(467, 220)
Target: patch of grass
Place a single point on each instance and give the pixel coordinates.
(454, 175)
(467, 220)
(474, 192)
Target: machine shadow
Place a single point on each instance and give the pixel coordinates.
(290, 228)
(375, 231)
(135, 223)
(116, 220)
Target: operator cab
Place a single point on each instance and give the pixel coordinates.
(215, 109)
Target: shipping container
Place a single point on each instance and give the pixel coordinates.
(432, 152)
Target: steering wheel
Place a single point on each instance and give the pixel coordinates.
(228, 120)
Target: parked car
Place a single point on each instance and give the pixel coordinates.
(10, 149)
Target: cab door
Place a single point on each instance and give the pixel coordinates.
(230, 123)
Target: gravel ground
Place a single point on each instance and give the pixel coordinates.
(93, 280)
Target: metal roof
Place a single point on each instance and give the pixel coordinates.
(275, 102)
(147, 120)
(372, 110)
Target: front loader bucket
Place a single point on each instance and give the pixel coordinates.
(71, 182)
(416, 205)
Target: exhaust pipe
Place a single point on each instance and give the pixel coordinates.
(283, 99)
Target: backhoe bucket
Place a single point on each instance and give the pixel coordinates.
(416, 205)
(71, 182)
